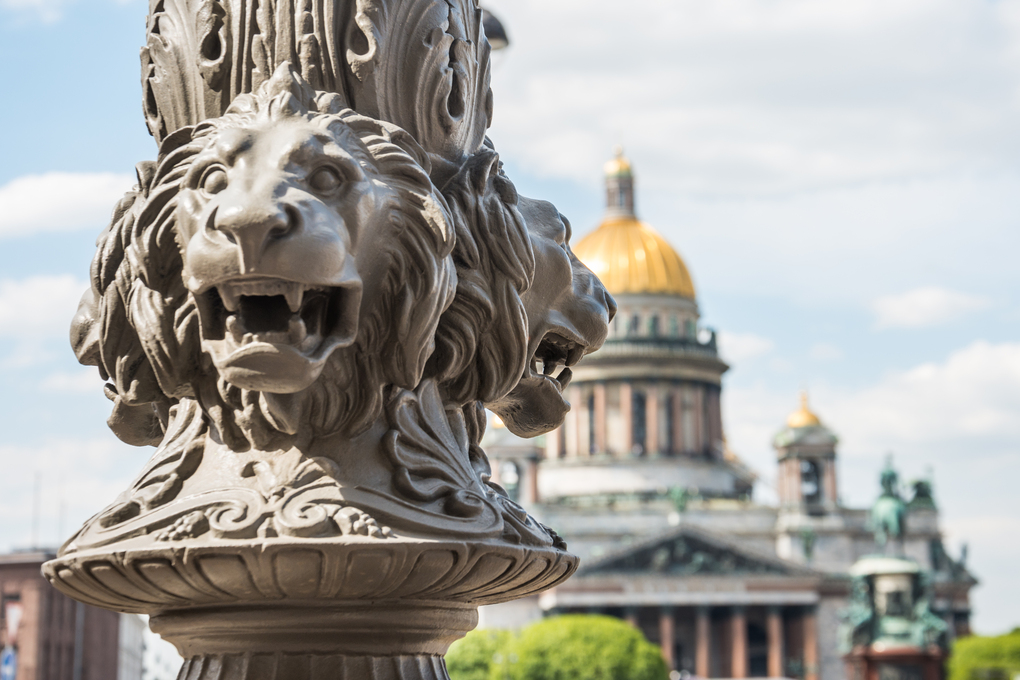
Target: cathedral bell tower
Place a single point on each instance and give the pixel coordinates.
(807, 464)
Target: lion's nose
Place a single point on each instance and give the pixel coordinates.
(254, 228)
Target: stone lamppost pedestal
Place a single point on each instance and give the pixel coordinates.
(304, 306)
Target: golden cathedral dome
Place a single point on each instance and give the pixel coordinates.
(629, 256)
(624, 252)
(803, 417)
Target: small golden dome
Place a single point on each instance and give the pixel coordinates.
(619, 165)
(803, 417)
(631, 257)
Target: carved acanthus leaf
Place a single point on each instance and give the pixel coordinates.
(430, 462)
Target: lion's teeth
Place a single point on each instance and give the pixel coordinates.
(248, 339)
(230, 297)
(297, 332)
(564, 377)
(548, 367)
(575, 354)
(294, 294)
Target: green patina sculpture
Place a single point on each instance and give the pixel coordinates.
(890, 606)
(890, 598)
(889, 513)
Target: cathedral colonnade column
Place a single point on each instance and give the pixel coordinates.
(652, 420)
(626, 418)
(738, 646)
(600, 418)
(703, 642)
(572, 424)
(667, 635)
(810, 644)
(774, 631)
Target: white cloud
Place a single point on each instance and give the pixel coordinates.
(961, 411)
(39, 305)
(83, 381)
(59, 201)
(740, 347)
(754, 96)
(26, 354)
(974, 394)
(825, 351)
(47, 11)
(924, 307)
(78, 477)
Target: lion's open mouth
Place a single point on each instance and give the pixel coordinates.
(268, 310)
(268, 333)
(553, 351)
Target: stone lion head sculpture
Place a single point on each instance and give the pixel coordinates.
(526, 308)
(282, 264)
(568, 311)
(481, 342)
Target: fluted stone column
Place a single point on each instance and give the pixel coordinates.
(703, 642)
(738, 643)
(667, 635)
(810, 644)
(600, 417)
(652, 420)
(678, 420)
(774, 632)
(572, 424)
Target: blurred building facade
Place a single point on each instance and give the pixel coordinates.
(52, 637)
(49, 636)
(641, 484)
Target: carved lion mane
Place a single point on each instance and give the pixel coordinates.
(141, 325)
(481, 342)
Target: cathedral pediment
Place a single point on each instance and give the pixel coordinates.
(691, 552)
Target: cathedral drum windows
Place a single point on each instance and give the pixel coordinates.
(638, 423)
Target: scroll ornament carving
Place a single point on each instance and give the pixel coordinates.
(303, 306)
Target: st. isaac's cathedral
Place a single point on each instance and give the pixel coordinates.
(640, 483)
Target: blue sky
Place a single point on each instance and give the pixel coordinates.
(843, 180)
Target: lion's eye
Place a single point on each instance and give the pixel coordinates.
(325, 180)
(214, 181)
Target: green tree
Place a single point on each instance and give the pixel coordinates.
(986, 658)
(560, 648)
(473, 657)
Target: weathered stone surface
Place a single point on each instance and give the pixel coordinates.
(303, 306)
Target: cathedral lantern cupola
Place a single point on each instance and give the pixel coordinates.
(807, 463)
(619, 186)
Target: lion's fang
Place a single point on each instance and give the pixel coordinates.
(230, 296)
(297, 332)
(294, 295)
